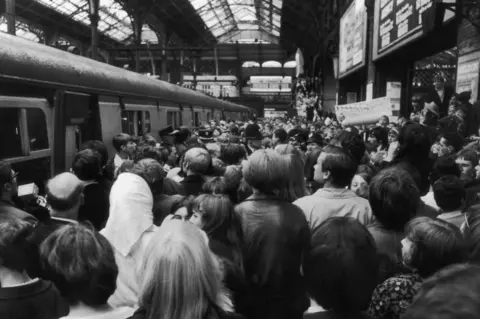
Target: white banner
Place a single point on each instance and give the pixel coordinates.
(366, 112)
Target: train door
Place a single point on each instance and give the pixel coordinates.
(136, 123)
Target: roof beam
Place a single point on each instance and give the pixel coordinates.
(248, 34)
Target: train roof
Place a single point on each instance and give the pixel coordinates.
(32, 62)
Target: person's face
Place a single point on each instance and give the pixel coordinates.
(444, 149)
(451, 109)
(318, 175)
(416, 103)
(407, 250)
(181, 213)
(359, 186)
(477, 172)
(312, 146)
(130, 147)
(467, 171)
(274, 140)
(197, 219)
(392, 137)
(439, 85)
(312, 129)
(216, 133)
(384, 121)
(372, 139)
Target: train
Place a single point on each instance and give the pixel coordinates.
(51, 101)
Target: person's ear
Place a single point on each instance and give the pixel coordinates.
(326, 175)
(7, 187)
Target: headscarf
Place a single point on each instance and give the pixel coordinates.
(131, 203)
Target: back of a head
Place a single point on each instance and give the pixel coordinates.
(341, 165)
(179, 275)
(120, 140)
(96, 146)
(353, 143)
(443, 166)
(81, 264)
(281, 135)
(449, 193)
(232, 154)
(150, 170)
(87, 165)
(342, 265)
(394, 198)
(452, 293)
(414, 141)
(64, 192)
(197, 160)
(435, 245)
(214, 186)
(15, 248)
(263, 171)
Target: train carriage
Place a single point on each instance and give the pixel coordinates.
(51, 101)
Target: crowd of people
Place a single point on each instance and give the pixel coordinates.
(273, 218)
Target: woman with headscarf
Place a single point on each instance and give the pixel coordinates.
(130, 227)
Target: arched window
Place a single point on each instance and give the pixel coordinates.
(250, 64)
(272, 64)
(290, 64)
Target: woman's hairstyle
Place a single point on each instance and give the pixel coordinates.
(452, 293)
(342, 265)
(295, 186)
(179, 277)
(185, 201)
(394, 198)
(381, 134)
(436, 244)
(263, 171)
(15, 247)
(81, 264)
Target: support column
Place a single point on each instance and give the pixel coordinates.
(215, 55)
(94, 18)
(371, 68)
(10, 10)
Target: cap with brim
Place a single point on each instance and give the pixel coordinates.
(432, 107)
(315, 138)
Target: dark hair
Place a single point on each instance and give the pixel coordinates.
(453, 139)
(87, 165)
(281, 135)
(232, 154)
(215, 186)
(148, 151)
(15, 247)
(185, 201)
(342, 265)
(341, 165)
(99, 147)
(437, 244)
(353, 143)
(449, 192)
(147, 139)
(468, 155)
(452, 293)
(310, 162)
(381, 134)
(443, 166)
(81, 264)
(120, 140)
(218, 167)
(394, 198)
(366, 172)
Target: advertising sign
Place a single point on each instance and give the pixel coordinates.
(468, 72)
(353, 38)
(366, 112)
(398, 22)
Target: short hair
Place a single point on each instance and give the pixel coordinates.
(342, 265)
(449, 192)
(120, 140)
(81, 264)
(452, 293)
(150, 170)
(468, 155)
(341, 165)
(198, 160)
(149, 151)
(232, 154)
(436, 244)
(453, 139)
(394, 198)
(64, 191)
(285, 149)
(15, 246)
(263, 171)
(353, 143)
(96, 146)
(87, 165)
(366, 172)
(218, 167)
(443, 166)
(148, 139)
(281, 135)
(215, 186)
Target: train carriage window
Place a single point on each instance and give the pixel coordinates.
(180, 118)
(128, 122)
(37, 129)
(11, 145)
(147, 123)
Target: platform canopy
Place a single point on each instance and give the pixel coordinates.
(230, 17)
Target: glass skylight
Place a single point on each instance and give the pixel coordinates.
(22, 30)
(114, 21)
(224, 16)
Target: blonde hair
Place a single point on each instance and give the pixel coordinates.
(180, 278)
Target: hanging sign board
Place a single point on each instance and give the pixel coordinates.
(353, 38)
(468, 72)
(367, 112)
(398, 22)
